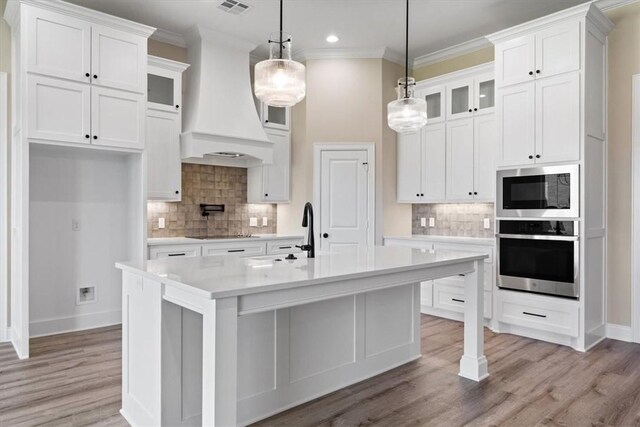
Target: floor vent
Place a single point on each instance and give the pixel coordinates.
(234, 7)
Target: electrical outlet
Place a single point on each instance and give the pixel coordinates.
(432, 222)
(423, 222)
(487, 223)
(75, 224)
(253, 222)
(86, 295)
(265, 221)
(161, 223)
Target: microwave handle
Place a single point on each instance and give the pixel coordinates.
(538, 237)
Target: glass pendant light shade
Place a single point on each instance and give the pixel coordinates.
(406, 114)
(280, 81)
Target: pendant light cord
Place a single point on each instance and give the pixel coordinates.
(406, 56)
(281, 41)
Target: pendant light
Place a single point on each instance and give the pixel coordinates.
(280, 81)
(407, 114)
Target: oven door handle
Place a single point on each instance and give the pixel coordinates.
(538, 237)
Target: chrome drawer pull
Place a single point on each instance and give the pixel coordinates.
(182, 254)
(457, 300)
(235, 250)
(534, 314)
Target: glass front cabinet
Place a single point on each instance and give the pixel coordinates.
(275, 117)
(435, 98)
(469, 97)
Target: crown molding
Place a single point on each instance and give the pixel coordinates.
(605, 5)
(169, 37)
(451, 52)
(167, 64)
(304, 55)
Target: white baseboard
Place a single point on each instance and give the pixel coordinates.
(619, 332)
(74, 323)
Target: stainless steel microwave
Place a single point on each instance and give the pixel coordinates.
(539, 192)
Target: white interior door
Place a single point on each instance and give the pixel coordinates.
(344, 198)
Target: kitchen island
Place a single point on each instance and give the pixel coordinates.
(227, 340)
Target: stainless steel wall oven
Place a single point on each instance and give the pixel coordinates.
(539, 256)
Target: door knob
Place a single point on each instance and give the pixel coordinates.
(325, 235)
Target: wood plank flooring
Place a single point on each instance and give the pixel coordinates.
(74, 379)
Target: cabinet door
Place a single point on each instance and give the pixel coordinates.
(484, 93)
(435, 98)
(460, 160)
(516, 124)
(163, 156)
(164, 89)
(484, 163)
(275, 117)
(58, 110)
(434, 154)
(58, 45)
(558, 49)
(409, 167)
(275, 177)
(558, 118)
(119, 59)
(117, 118)
(460, 99)
(515, 61)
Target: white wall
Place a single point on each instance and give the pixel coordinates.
(94, 187)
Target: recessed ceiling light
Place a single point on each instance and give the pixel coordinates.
(332, 38)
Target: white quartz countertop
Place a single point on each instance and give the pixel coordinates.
(446, 239)
(162, 241)
(224, 276)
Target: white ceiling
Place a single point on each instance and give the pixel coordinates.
(360, 24)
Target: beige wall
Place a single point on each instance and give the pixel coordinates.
(168, 51)
(624, 61)
(345, 103)
(454, 64)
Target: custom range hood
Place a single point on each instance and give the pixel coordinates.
(221, 125)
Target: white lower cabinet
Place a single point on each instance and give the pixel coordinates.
(538, 312)
(264, 246)
(174, 251)
(445, 297)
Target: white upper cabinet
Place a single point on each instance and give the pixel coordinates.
(460, 160)
(270, 183)
(436, 105)
(117, 118)
(548, 52)
(515, 60)
(434, 155)
(275, 117)
(163, 129)
(59, 110)
(163, 156)
(460, 99)
(85, 76)
(484, 98)
(516, 124)
(58, 45)
(558, 119)
(484, 158)
(118, 59)
(409, 167)
(558, 49)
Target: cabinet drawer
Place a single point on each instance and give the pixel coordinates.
(451, 297)
(467, 248)
(283, 246)
(157, 252)
(239, 248)
(538, 312)
(426, 293)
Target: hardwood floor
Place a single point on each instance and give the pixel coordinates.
(74, 379)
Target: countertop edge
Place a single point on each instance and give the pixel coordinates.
(166, 241)
(485, 241)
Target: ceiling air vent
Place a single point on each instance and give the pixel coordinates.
(233, 6)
